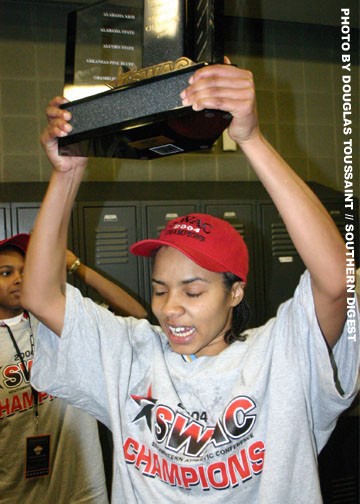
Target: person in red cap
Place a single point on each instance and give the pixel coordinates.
(44, 441)
(201, 409)
(215, 246)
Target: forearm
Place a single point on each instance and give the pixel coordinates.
(117, 298)
(43, 290)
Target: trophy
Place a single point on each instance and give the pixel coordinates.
(126, 65)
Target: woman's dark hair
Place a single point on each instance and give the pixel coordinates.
(240, 316)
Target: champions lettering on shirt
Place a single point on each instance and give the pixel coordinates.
(236, 469)
(190, 448)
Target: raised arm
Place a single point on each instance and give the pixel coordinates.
(43, 289)
(119, 301)
(311, 228)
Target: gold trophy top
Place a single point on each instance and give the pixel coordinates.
(139, 74)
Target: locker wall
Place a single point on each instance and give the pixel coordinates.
(108, 217)
(281, 264)
(106, 230)
(23, 216)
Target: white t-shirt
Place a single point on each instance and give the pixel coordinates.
(76, 472)
(245, 425)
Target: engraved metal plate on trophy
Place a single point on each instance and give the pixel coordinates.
(126, 64)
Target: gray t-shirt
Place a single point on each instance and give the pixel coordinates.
(245, 425)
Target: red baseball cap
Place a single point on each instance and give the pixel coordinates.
(210, 242)
(19, 241)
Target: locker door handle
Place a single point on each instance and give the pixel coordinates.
(229, 215)
(171, 216)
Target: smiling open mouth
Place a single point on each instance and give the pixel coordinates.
(181, 331)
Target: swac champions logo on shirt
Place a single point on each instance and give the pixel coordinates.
(186, 452)
(15, 392)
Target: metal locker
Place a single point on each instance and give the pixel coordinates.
(158, 215)
(23, 217)
(105, 233)
(282, 265)
(5, 225)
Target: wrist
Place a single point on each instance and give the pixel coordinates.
(251, 140)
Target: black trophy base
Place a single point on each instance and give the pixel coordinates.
(144, 120)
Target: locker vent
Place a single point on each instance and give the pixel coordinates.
(281, 243)
(231, 217)
(111, 245)
(240, 228)
(344, 491)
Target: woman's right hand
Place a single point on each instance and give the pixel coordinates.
(59, 126)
